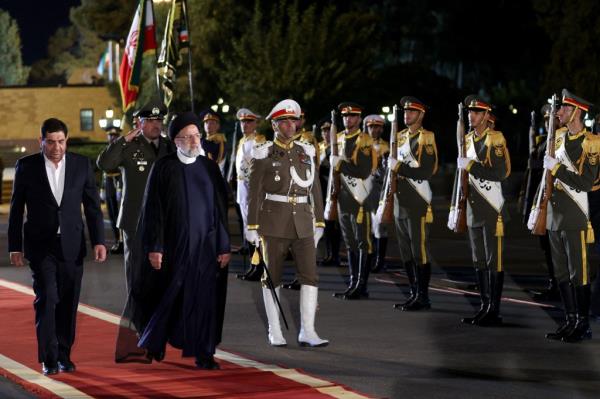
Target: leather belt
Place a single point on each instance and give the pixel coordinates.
(292, 199)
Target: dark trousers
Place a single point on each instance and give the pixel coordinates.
(112, 205)
(56, 284)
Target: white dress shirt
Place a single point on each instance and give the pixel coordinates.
(56, 178)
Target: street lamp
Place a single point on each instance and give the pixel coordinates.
(109, 122)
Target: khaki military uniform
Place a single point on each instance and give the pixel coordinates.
(284, 212)
(134, 159)
(306, 136)
(567, 220)
(412, 200)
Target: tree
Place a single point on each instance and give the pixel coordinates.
(12, 70)
(313, 55)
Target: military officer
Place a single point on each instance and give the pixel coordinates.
(213, 143)
(282, 182)
(374, 124)
(488, 164)
(248, 121)
(111, 186)
(415, 163)
(134, 154)
(356, 163)
(575, 168)
(332, 228)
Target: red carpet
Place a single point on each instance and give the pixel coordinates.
(98, 376)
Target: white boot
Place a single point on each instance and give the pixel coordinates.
(308, 306)
(275, 335)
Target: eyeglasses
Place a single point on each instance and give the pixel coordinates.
(188, 138)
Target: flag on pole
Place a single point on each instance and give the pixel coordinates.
(104, 63)
(175, 45)
(141, 41)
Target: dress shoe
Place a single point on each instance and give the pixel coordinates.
(117, 248)
(66, 366)
(207, 363)
(49, 368)
(158, 356)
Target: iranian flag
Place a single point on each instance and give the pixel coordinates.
(141, 41)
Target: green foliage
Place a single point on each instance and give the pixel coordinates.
(574, 28)
(313, 55)
(12, 70)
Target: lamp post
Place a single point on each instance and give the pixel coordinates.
(109, 122)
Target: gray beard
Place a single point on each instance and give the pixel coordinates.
(191, 153)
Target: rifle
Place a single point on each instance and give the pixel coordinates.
(229, 175)
(537, 218)
(390, 184)
(333, 183)
(462, 189)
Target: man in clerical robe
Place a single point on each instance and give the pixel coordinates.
(185, 239)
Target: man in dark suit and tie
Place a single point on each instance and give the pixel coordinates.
(53, 185)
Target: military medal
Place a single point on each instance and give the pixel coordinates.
(141, 168)
(277, 177)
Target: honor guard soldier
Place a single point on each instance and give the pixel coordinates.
(306, 136)
(111, 187)
(282, 182)
(374, 124)
(332, 228)
(415, 163)
(575, 168)
(355, 164)
(134, 154)
(213, 143)
(533, 176)
(243, 160)
(487, 163)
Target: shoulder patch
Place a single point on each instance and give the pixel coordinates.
(426, 138)
(591, 144)
(495, 138)
(261, 150)
(309, 149)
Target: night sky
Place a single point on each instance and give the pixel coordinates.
(38, 20)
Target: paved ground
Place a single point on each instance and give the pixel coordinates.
(386, 353)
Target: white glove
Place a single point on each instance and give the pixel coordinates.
(452, 219)
(379, 213)
(252, 237)
(319, 231)
(549, 162)
(462, 163)
(335, 159)
(392, 162)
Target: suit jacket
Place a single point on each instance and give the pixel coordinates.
(135, 159)
(31, 190)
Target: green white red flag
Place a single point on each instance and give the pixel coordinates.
(141, 42)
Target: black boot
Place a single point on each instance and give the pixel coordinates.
(422, 299)
(411, 273)
(582, 329)
(567, 294)
(492, 316)
(353, 270)
(360, 289)
(483, 281)
(294, 285)
(380, 255)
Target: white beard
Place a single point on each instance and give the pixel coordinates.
(191, 152)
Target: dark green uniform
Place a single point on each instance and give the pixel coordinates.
(486, 214)
(134, 159)
(412, 210)
(354, 216)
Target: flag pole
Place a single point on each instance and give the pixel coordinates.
(160, 93)
(190, 80)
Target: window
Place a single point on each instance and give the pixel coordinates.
(86, 120)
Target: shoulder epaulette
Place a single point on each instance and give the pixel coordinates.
(364, 140)
(261, 150)
(309, 149)
(426, 138)
(259, 138)
(591, 143)
(469, 135)
(495, 138)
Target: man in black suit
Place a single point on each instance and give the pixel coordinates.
(53, 185)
